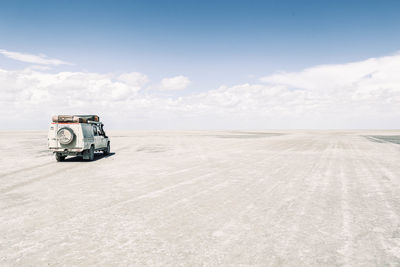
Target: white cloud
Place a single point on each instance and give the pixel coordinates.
(175, 83)
(34, 59)
(366, 89)
(363, 94)
(29, 89)
(134, 78)
(382, 70)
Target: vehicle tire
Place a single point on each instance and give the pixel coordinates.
(60, 157)
(107, 150)
(91, 153)
(65, 135)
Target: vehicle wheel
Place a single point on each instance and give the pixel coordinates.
(60, 157)
(65, 135)
(107, 150)
(91, 153)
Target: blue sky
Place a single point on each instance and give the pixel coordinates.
(212, 43)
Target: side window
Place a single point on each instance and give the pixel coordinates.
(95, 132)
(101, 132)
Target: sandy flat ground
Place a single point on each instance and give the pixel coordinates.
(297, 198)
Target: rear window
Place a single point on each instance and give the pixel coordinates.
(87, 130)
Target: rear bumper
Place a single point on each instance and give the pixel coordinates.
(67, 151)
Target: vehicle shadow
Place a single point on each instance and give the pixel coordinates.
(97, 156)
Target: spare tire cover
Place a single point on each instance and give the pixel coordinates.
(65, 136)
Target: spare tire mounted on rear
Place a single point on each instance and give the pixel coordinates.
(65, 135)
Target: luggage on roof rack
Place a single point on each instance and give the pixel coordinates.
(75, 118)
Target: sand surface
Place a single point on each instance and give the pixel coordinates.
(297, 198)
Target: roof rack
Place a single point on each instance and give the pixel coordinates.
(76, 118)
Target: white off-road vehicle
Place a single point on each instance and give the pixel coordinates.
(77, 135)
